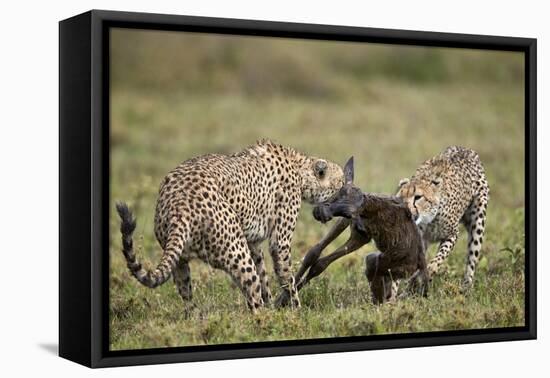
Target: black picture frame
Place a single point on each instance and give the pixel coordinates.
(84, 189)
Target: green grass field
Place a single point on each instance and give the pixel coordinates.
(175, 97)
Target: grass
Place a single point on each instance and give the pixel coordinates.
(176, 97)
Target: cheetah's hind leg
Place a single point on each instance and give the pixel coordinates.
(229, 252)
(243, 272)
(182, 279)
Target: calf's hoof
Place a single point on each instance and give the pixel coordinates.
(282, 300)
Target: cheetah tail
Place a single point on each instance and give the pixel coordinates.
(153, 278)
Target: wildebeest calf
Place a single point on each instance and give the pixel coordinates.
(384, 219)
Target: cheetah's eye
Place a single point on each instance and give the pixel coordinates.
(417, 197)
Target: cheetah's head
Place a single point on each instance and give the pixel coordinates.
(321, 180)
(422, 196)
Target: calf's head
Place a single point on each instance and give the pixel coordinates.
(345, 203)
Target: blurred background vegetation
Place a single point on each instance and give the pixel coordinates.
(179, 95)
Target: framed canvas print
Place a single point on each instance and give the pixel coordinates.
(234, 188)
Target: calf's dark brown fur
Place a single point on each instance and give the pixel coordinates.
(384, 219)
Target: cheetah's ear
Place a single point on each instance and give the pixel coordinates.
(349, 171)
(404, 181)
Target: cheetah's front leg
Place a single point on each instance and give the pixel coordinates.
(445, 247)
(281, 262)
(279, 248)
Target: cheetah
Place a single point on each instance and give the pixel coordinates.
(219, 208)
(446, 190)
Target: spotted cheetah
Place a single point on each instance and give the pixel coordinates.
(446, 190)
(219, 208)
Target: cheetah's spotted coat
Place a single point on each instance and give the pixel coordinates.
(446, 190)
(219, 208)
